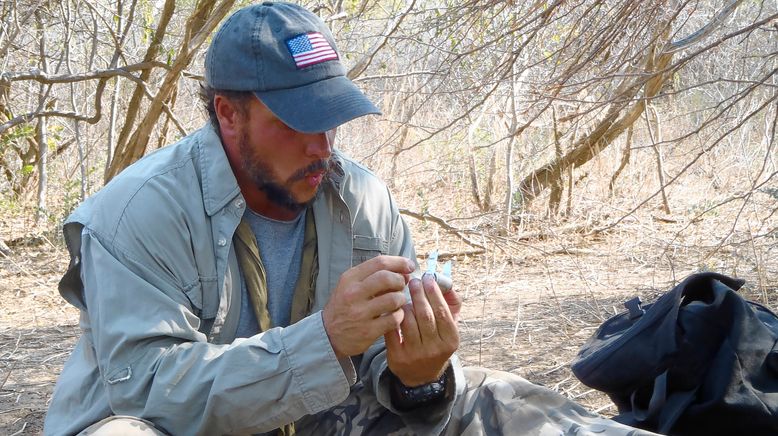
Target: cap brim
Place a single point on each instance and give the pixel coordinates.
(319, 106)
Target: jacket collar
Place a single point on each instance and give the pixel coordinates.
(335, 177)
(219, 183)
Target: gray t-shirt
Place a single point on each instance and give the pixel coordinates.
(281, 250)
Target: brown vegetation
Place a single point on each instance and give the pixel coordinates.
(566, 155)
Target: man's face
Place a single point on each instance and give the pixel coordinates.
(287, 165)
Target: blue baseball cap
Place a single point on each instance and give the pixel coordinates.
(286, 55)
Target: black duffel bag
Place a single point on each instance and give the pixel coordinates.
(701, 360)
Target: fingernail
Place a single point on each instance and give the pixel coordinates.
(411, 266)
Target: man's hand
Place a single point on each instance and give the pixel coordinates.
(366, 304)
(429, 334)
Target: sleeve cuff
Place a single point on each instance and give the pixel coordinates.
(323, 380)
(347, 365)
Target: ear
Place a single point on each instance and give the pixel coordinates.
(230, 118)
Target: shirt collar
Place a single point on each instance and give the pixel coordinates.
(219, 183)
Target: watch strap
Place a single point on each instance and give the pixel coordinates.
(405, 398)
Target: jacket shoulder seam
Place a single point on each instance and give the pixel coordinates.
(140, 187)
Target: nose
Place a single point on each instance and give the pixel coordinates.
(319, 145)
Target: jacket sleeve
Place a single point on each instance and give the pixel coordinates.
(373, 367)
(156, 365)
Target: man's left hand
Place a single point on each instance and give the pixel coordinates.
(429, 334)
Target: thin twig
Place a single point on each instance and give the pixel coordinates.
(24, 426)
(10, 370)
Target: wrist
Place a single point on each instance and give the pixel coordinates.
(339, 354)
(405, 398)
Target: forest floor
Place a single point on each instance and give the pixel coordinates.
(529, 305)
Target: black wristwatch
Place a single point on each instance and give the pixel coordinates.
(406, 398)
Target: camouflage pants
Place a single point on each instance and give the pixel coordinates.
(494, 403)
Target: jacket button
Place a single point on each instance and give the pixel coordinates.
(239, 203)
(222, 242)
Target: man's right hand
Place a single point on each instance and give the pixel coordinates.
(366, 304)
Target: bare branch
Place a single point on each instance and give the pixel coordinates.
(103, 75)
(391, 28)
(706, 30)
(442, 223)
(42, 77)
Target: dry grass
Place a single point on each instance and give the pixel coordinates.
(529, 304)
(37, 331)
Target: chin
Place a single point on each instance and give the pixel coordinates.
(306, 197)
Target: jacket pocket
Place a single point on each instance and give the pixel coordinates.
(367, 247)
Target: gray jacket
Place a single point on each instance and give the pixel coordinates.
(156, 278)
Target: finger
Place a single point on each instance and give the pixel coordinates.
(410, 329)
(432, 292)
(382, 281)
(397, 264)
(392, 321)
(425, 317)
(454, 302)
(393, 341)
(383, 304)
(444, 321)
(380, 326)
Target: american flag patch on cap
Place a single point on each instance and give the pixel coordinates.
(310, 49)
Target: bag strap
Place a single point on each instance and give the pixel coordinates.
(674, 408)
(662, 410)
(655, 403)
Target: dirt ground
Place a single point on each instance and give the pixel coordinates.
(529, 305)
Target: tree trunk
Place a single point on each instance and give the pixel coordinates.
(655, 134)
(506, 219)
(405, 116)
(624, 160)
(82, 161)
(483, 202)
(123, 146)
(112, 126)
(474, 189)
(162, 140)
(41, 128)
(205, 18)
(555, 197)
(610, 127)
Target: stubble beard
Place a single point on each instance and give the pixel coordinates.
(264, 178)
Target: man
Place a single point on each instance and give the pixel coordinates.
(251, 279)
(215, 276)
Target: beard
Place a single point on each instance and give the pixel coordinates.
(264, 178)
